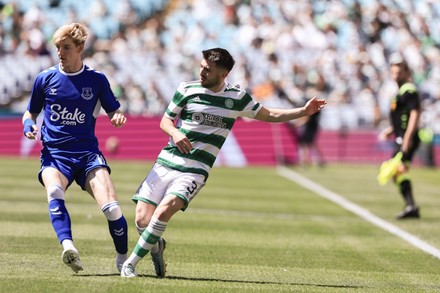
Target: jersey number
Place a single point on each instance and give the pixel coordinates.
(192, 188)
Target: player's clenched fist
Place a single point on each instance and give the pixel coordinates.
(118, 119)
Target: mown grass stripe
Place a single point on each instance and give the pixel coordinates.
(359, 211)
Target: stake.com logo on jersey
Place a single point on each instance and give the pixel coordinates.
(68, 118)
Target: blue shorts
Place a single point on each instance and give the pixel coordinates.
(75, 165)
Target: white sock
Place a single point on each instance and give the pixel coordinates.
(155, 228)
(68, 244)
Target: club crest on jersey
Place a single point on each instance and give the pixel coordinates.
(229, 103)
(87, 93)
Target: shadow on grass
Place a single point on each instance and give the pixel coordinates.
(260, 282)
(229, 281)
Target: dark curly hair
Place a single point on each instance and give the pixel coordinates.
(220, 57)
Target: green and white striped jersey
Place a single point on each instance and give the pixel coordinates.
(206, 118)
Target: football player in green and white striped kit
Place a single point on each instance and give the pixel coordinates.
(198, 120)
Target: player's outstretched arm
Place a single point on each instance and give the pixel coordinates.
(117, 118)
(283, 115)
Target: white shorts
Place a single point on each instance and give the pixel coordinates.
(162, 181)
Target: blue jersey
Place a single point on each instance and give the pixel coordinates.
(71, 103)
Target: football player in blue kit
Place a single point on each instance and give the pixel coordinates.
(71, 94)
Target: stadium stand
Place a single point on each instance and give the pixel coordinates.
(147, 47)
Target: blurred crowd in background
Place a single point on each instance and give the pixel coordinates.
(286, 51)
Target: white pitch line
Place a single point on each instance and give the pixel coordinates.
(357, 210)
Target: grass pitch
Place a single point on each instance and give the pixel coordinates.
(249, 230)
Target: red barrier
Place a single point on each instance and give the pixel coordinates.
(250, 143)
(142, 139)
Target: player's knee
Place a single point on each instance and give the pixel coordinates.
(143, 215)
(140, 226)
(54, 191)
(112, 211)
(141, 221)
(168, 208)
